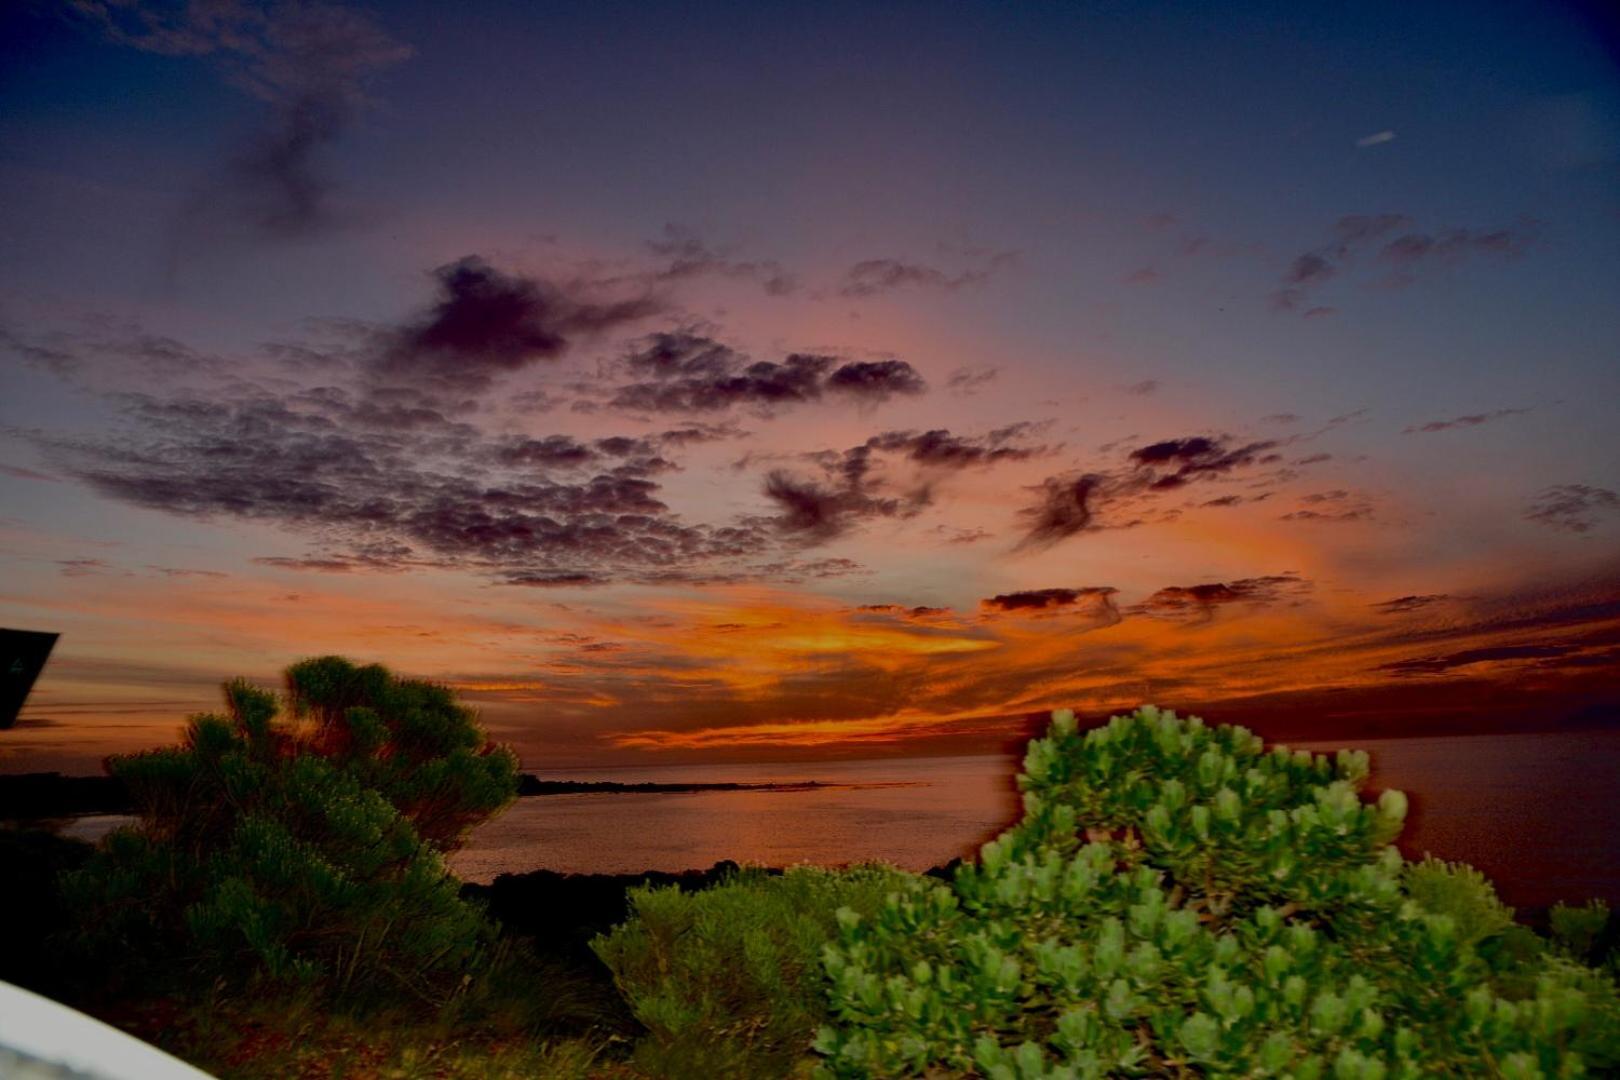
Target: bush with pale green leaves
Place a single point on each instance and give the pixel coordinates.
(1180, 900)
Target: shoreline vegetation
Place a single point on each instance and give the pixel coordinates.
(45, 796)
(1176, 900)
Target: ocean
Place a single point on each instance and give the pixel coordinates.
(1539, 814)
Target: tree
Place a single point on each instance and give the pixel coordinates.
(303, 843)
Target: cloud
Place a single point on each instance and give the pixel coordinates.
(1066, 506)
(918, 613)
(1403, 605)
(1082, 501)
(1199, 603)
(1185, 460)
(690, 257)
(384, 497)
(1094, 600)
(1354, 234)
(1435, 665)
(1144, 276)
(969, 381)
(1143, 388)
(874, 277)
(487, 323)
(876, 380)
(1377, 138)
(1471, 420)
(20, 473)
(1337, 505)
(941, 449)
(891, 474)
(1413, 247)
(82, 567)
(308, 63)
(1574, 508)
(687, 372)
(819, 512)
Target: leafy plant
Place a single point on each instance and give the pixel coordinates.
(1578, 928)
(304, 848)
(728, 980)
(1181, 900)
(1463, 893)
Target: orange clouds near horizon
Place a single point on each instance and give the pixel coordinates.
(758, 672)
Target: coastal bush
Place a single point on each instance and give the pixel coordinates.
(302, 845)
(728, 980)
(1180, 900)
(1463, 893)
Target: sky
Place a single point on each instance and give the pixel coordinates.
(773, 381)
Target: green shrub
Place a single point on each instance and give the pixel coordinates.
(728, 980)
(1579, 931)
(1179, 900)
(1460, 891)
(306, 850)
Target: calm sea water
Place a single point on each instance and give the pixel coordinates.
(1540, 814)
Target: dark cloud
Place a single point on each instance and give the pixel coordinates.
(873, 277)
(1067, 506)
(394, 496)
(82, 567)
(1471, 420)
(20, 473)
(1331, 506)
(1434, 665)
(487, 323)
(892, 474)
(690, 257)
(918, 613)
(1403, 605)
(1097, 599)
(1199, 602)
(939, 448)
(1309, 269)
(687, 372)
(1308, 272)
(1146, 275)
(1280, 418)
(816, 512)
(1575, 508)
(876, 380)
(967, 381)
(678, 354)
(1185, 460)
(1414, 247)
(694, 433)
(1143, 388)
(308, 63)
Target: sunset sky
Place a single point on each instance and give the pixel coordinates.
(808, 380)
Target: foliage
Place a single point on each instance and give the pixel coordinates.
(1580, 930)
(305, 849)
(31, 911)
(295, 1036)
(728, 981)
(1178, 899)
(1463, 893)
